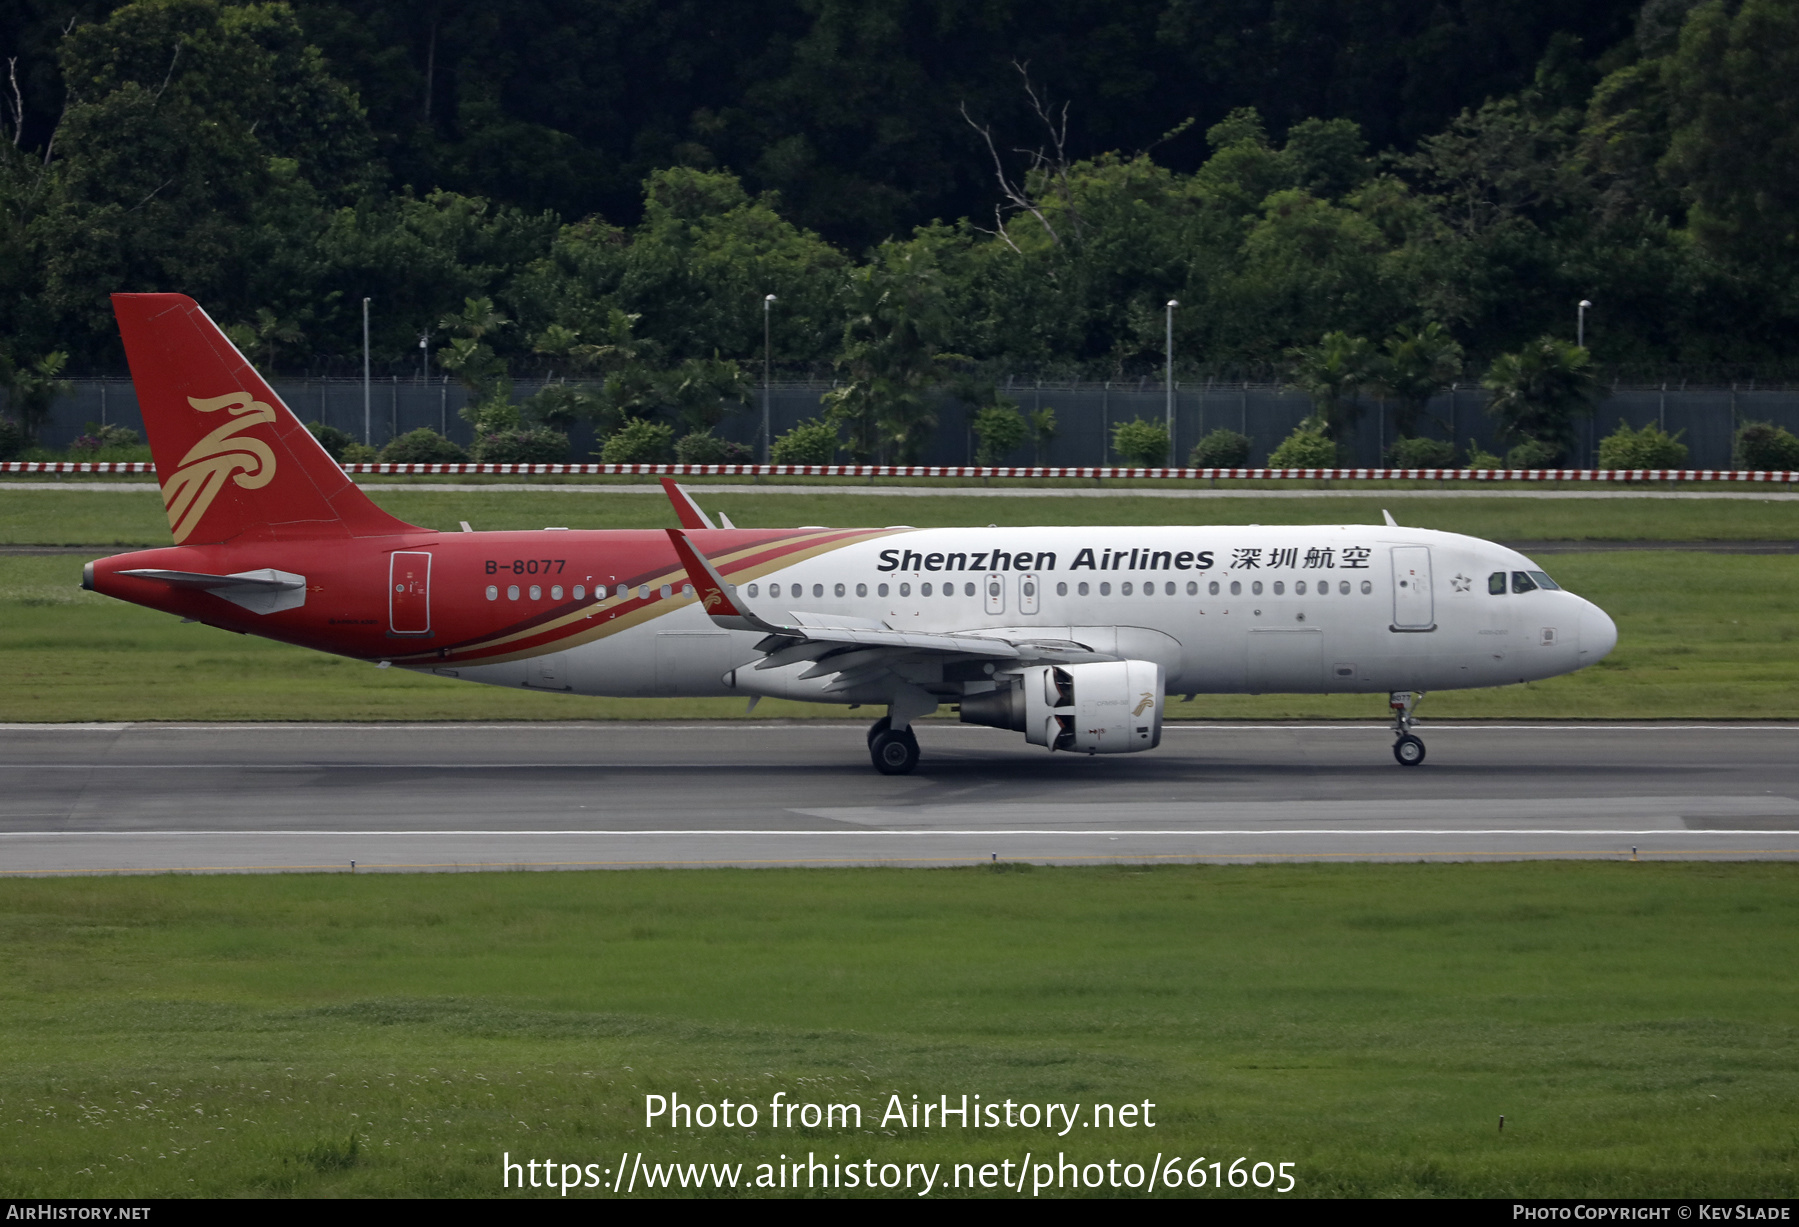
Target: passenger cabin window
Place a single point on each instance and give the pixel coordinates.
(1496, 583)
(881, 590)
(1080, 589)
(1522, 582)
(752, 590)
(861, 589)
(1061, 589)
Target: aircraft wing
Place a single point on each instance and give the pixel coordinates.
(858, 650)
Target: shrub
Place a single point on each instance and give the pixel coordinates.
(1140, 442)
(536, 445)
(1422, 454)
(1648, 448)
(1000, 428)
(639, 442)
(96, 438)
(1221, 449)
(12, 439)
(811, 442)
(1308, 447)
(358, 453)
(1532, 454)
(702, 447)
(1480, 458)
(1766, 447)
(333, 440)
(422, 446)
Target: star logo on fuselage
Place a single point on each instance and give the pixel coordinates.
(1462, 583)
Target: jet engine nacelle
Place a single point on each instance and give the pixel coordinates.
(1113, 707)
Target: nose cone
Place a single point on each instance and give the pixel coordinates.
(1598, 633)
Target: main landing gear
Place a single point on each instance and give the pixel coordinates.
(1407, 749)
(894, 753)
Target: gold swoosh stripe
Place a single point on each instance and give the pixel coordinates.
(799, 549)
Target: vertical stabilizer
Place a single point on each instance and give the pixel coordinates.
(231, 457)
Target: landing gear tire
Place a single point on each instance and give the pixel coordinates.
(877, 728)
(1409, 751)
(893, 753)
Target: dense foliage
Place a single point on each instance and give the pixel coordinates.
(1372, 201)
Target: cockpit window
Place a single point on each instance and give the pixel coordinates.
(1543, 581)
(1495, 583)
(1522, 582)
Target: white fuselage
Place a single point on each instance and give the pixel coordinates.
(1310, 609)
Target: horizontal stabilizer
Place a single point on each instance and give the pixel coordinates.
(265, 591)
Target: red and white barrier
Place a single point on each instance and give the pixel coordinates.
(1777, 477)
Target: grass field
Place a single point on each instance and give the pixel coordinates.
(1700, 636)
(1634, 1023)
(121, 518)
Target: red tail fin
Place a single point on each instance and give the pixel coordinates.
(232, 459)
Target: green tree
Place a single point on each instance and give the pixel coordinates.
(1734, 144)
(1539, 391)
(1332, 373)
(698, 267)
(267, 333)
(200, 145)
(1414, 365)
(471, 358)
(33, 390)
(892, 355)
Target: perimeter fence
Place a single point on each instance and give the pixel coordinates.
(1706, 419)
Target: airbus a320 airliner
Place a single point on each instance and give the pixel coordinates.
(1071, 636)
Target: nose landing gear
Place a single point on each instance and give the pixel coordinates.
(1408, 750)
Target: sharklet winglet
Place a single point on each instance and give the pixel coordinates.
(686, 510)
(714, 593)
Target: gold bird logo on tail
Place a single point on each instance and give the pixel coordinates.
(202, 472)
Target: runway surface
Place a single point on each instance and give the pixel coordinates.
(140, 797)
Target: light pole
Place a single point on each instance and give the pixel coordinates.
(767, 358)
(425, 356)
(365, 373)
(1580, 325)
(1168, 378)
